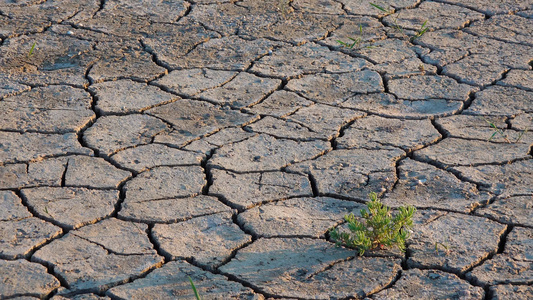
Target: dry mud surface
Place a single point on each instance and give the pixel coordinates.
(143, 143)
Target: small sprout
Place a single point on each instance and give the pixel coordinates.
(444, 245)
(356, 42)
(421, 31)
(380, 230)
(31, 50)
(379, 7)
(196, 294)
(502, 133)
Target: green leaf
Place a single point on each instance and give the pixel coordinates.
(196, 294)
(378, 7)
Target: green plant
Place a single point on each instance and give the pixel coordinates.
(196, 294)
(380, 229)
(31, 50)
(502, 133)
(390, 11)
(420, 31)
(444, 245)
(357, 41)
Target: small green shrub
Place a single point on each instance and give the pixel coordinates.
(380, 229)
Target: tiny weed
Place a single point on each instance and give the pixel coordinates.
(380, 8)
(380, 229)
(443, 245)
(196, 294)
(31, 50)
(420, 31)
(355, 42)
(501, 132)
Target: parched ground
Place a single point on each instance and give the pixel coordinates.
(143, 143)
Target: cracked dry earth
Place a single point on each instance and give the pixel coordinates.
(144, 142)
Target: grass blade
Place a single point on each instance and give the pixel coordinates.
(379, 7)
(196, 294)
(32, 48)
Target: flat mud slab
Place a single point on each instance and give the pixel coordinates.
(148, 144)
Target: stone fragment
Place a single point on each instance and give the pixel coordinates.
(155, 155)
(172, 280)
(55, 60)
(514, 210)
(208, 240)
(352, 173)
(244, 90)
(9, 87)
(168, 47)
(425, 186)
(464, 56)
(19, 237)
(12, 208)
(125, 63)
(429, 87)
(374, 132)
(501, 101)
(509, 179)
(125, 17)
(93, 172)
(310, 268)
(280, 103)
(225, 136)
(227, 53)
(127, 96)
(523, 122)
(514, 265)
(268, 20)
(452, 242)
(324, 119)
(113, 133)
(510, 28)
(477, 127)
(295, 61)
(71, 207)
(171, 210)
(165, 182)
(302, 217)
(511, 292)
(493, 7)
(318, 6)
(52, 109)
(281, 128)
(350, 28)
(193, 119)
(23, 279)
(438, 16)
(46, 172)
(364, 8)
(19, 147)
(80, 297)
(521, 79)
(96, 257)
(244, 191)
(335, 88)
(428, 285)
(190, 82)
(459, 152)
(389, 106)
(265, 153)
(20, 18)
(396, 58)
